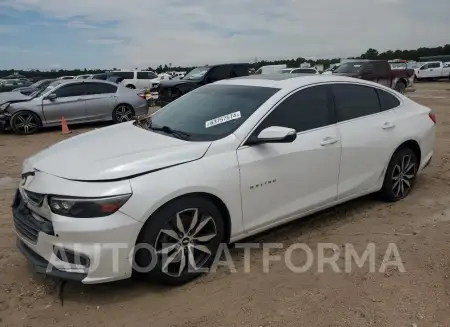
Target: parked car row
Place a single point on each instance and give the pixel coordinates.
(77, 100)
(11, 84)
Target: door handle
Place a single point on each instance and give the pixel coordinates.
(328, 141)
(388, 125)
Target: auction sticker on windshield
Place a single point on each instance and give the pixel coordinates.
(223, 119)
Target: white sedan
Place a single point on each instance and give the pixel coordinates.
(225, 161)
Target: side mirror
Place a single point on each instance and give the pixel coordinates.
(51, 96)
(275, 134)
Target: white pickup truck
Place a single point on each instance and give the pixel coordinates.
(432, 70)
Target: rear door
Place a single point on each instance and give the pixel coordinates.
(100, 100)
(70, 103)
(367, 137)
(435, 70)
(281, 180)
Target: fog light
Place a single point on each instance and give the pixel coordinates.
(71, 257)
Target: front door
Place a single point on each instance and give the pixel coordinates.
(70, 103)
(282, 180)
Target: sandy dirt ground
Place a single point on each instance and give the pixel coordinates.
(419, 226)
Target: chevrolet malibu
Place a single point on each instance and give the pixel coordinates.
(225, 161)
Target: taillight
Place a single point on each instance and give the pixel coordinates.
(432, 117)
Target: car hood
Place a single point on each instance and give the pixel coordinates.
(114, 152)
(13, 96)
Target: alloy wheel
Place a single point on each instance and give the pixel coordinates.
(184, 246)
(403, 175)
(123, 114)
(26, 123)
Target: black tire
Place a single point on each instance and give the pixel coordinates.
(25, 123)
(122, 113)
(404, 171)
(131, 86)
(400, 87)
(165, 220)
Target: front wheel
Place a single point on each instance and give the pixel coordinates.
(25, 123)
(180, 241)
(400, 175)
(400, 87)
(122, 113)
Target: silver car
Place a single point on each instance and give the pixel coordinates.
(78, 101)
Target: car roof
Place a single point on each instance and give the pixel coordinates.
(291, 81)
(72, 81)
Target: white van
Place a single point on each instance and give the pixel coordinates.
(270, 69)
(136, 79)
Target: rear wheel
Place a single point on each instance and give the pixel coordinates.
(25, 123)
(400, 175)
(122, 113)
(131, 86)
(184, 236)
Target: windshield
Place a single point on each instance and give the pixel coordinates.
(349, 67)
(45, 90)
(197, 73)
(211, 112)
(304, 71)
(286, 71)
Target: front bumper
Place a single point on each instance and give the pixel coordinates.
(106, 242)
(4, 121)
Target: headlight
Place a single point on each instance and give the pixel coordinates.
(87, 207)
(4, 106)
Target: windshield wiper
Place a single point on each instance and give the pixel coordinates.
(166, 129)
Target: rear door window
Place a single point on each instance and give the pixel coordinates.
(100, 88)
(387, 100)
(218, 73)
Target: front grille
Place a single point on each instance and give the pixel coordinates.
(26, 225)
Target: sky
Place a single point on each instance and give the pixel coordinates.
(46, 34)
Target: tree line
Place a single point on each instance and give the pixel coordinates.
(369, 54)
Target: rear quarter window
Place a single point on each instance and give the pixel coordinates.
(387, 100)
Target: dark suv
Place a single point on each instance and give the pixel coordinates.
(169, 90)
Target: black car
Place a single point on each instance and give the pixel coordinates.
(169, 90)
(11, 84)
(39, 85)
